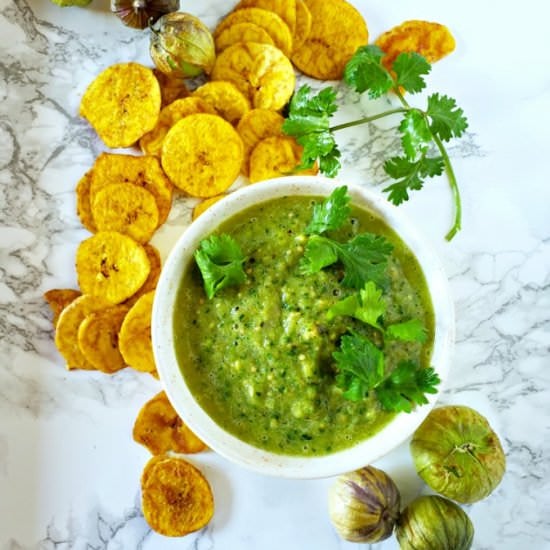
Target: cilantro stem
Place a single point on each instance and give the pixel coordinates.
(364, 120)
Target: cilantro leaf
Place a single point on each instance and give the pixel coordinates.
(360, 366)
(331, 213)
(364, 71)
(448, 120)
(415, 134)
(220, 261)
(409, 69)
(407, 386)
(407, 331)
(320, 252)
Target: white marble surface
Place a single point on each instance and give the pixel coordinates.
(69, 470)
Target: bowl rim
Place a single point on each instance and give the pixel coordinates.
(229, 446)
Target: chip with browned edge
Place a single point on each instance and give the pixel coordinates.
(134, 339)
(144, 171)
(153, 277)
(242, 32)
(98, 338)
(58, 299)
(122, 103)
(285, 9)
(176, 498)
(126, 208)
(337, 30)
(256, 125)
(225, 98)
(159, 428)
(205, 205)
(202, 155)
(260, 71)
(431, 40)
(68, 324)
(111, 265)
(83, 207)
(277, 156)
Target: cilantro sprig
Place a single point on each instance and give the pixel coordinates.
(220, 262)
(421, 129)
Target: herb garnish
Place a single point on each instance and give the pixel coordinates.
(220, 261)
(309, 122)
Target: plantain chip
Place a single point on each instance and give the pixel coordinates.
(171, 89)
(68, 324)
(98, 338)
(159, 428)
(83, 207)
(205, 205)
(144, 171)
(285, 9)
(202, 155)
(153, 277)
(176, 498)
(242, 32)
(337, 30)
(278, 30)
(134, 339)
(225, 98)
(58, 299)
(432, 40)
(260, 71)
(122, 103)
(151, 143)
(111, 265)
(126, 208)
(303, 24)
(277, 156)
(256, 125)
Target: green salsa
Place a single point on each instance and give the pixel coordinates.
(258, 356)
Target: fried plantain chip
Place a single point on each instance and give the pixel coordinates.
(260, 71)
(151, 143)
(303, 24)
(58, 299)
(285, 9)
(153, 277)
(98, 338)
(202, 155)
(277, 156)
(256, 125)
(126, 208)
(432, 40)
(225, 98)
(83, 207)
(242, 32)
(111, 265)
(170, 88)
(122, 103)
(134, 339)
(144, 171)
(176, 498)
(68, 324)
(159, 428)
(278, 30)
(205, 205)
(337, 30)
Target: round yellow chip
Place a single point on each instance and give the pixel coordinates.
(202, 155)
(144, 171)
(111, 265)
(242, 32)
(285, 9)
(159, 428)
(337, 30)
(267, 20)
(83, 207)
(170, 88)
(277, 156)
(98, 338)
(58, 299)
(153, 277)
(260, 71)
(68, 324)
(176, 498)
(303, 23)
(126, 208)
(205, 205)
(432, 40)
(151, 143)
(256, 125)
(122, 103)
(225, 99)
(134, 340)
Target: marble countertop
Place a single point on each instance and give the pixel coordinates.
(69, 469)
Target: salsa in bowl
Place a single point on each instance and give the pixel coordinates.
(302, 328)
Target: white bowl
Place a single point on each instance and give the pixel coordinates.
(227, 445)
